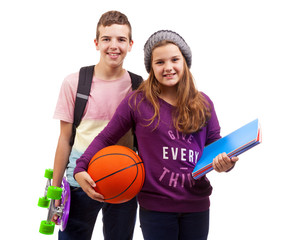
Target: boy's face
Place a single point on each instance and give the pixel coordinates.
(113, 44)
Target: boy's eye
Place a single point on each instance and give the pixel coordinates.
(122, 39)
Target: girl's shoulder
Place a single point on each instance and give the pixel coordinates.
(135, 100)
(206, 97)
(135, 96)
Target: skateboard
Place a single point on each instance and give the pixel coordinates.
(52, 194)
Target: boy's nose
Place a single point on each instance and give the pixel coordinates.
(113, 44)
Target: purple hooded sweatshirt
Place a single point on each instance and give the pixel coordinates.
(169, 156)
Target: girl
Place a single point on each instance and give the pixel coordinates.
(173, 123)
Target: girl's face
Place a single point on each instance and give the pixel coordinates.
(167, 65)
(113, 44)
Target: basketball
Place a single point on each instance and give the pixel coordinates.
(118, 173)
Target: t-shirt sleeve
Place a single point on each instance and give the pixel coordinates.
(65, 104)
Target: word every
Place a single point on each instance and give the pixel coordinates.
(182, 154)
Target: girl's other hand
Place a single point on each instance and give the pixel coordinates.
(87, 184)
(222, 163)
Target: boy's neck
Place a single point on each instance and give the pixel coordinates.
(108, 73)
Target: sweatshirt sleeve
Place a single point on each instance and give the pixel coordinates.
(213, 126)
(118, 126)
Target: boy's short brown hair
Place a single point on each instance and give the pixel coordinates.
(113, 17)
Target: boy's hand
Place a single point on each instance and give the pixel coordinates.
(87, 184)
(223, 163)
(55, 217)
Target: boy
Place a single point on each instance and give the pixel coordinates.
(110, 85)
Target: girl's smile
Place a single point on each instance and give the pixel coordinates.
(169, 75)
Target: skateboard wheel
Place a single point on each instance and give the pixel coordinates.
(54, 192)
(43, 202)
(47, 227)
(49, 173)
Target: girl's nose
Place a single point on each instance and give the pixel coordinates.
(168, 67)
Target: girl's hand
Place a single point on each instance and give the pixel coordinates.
(87, 184)
(222, 163)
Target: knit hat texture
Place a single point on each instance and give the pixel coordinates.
(169, 36)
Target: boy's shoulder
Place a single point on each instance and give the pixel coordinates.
(133, 74)
(136, 80)
(72, 78)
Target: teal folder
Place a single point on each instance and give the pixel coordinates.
(233, 144)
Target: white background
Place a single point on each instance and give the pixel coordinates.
(238, 60)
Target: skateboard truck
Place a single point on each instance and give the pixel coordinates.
(52, 194)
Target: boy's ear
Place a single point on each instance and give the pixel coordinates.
(130, 45)
(96, 44)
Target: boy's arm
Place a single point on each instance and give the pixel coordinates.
(62, 153)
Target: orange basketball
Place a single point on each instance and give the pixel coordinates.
(118, 173)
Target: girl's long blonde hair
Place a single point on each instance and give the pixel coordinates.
(192, 110)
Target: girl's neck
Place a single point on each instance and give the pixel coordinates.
(169, 96)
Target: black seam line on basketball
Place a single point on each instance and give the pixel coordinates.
(117, 172)
(142, 169)
(112, 154)
(128, 186)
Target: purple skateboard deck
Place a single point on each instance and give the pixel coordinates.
(65, 202)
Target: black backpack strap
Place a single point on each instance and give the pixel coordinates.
(82, 95)
(136, 80)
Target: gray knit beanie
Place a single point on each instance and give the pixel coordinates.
(169, 36)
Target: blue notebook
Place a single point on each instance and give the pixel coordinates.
(233, 144)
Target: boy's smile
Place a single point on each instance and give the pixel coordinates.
(113, 55)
